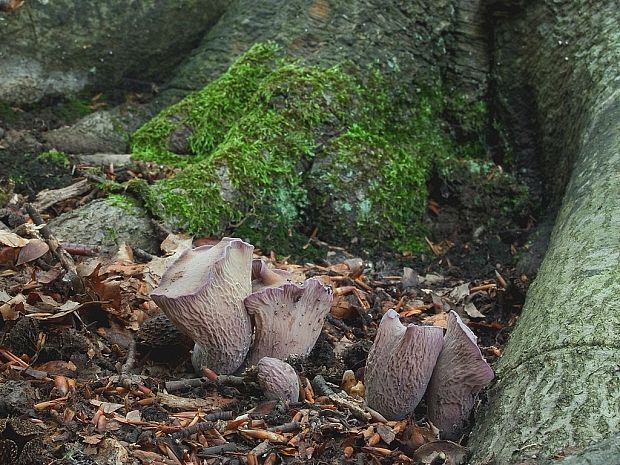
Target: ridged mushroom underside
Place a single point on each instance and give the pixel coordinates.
(288, 319)
(460, 374)
(263, 276)
(278, 379)
(399, 366)
(202, 293)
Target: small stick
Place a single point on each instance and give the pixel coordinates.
(222, 380)
(483, 287)
(216, 450)
(127, 367)
(286, 427)
(65, 259)
(341, 399)
(141, 255)
(80, 249)
(190, 430)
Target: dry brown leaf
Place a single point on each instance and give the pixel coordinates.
(12, 240)
(35, 248)
(440, 320)
(8, 255)
(58, 368)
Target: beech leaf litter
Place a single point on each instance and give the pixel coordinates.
(92, 371)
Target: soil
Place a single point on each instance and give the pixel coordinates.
(88, 372)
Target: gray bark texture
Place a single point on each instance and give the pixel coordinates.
(59, 47)
(421, 40)
(558, 386)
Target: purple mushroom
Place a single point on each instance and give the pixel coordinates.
(399, 366)
(288, 319)
(263, 276)
(278, 379)
(461, 372)
(202, 293)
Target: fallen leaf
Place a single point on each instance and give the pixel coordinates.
(12, 239)
(175, 242)
(58, 367)
(107, 407)
(8, 255)
(36, 248)
(459, 292)
(93, 439)
(472, 311)
(133, 415)
(46, 277)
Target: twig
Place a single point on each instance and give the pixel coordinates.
(65, 259)
(141, 255)
(341, 399)
(216, 450)
(190, 430)
(47, 198)
(222, 380)
(80, 249)
(286, 427)
(130, 362)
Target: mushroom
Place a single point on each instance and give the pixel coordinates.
(263, 276)
(278, 379)
(202, 293)
(461, 372)
(288, 319)
(399, 366)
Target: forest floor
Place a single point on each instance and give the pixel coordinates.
(83, 378)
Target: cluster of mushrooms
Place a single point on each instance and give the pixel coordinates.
(239, 312)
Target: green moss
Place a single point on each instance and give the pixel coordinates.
(54, 157)
(121, 201)
(273, 148)
(209, 114)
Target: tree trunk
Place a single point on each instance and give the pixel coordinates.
(558, 386)
(421, 40)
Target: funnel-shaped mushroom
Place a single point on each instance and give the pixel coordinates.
(202, 293)
(263, 276)
(399, 366)
(461, 372)
(288, 318)
(278, 379)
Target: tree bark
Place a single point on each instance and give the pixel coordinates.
(406, 37)
(558, 386)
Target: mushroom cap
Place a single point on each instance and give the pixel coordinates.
(399, 366)
(263, 276)
(460, 374)
(202, 293)
(278, 379)
(288, 319)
